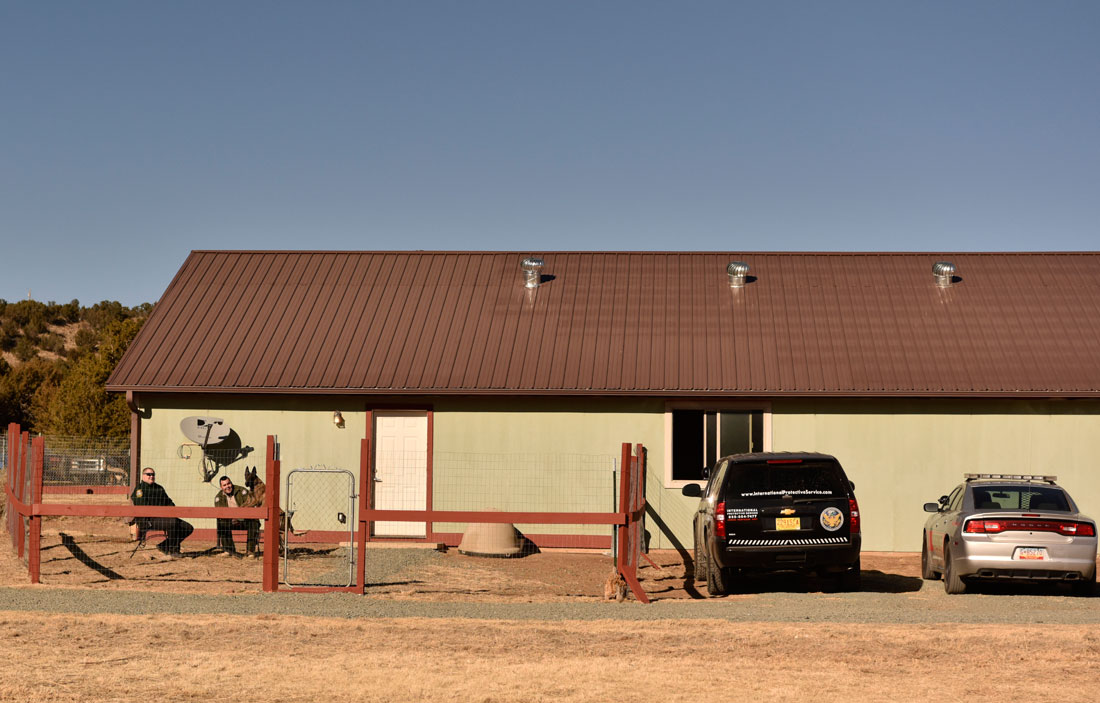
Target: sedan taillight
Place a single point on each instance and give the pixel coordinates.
(1062, 527)
(720, 520)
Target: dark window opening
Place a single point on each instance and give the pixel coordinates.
(701, 437)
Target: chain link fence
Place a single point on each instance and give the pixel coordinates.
(562, 483)
(81, 461)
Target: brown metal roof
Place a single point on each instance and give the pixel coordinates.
(648, 323)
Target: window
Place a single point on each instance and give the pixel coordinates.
(955, 501)
(988, 497)
(700, 436)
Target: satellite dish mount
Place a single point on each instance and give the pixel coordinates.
(206, 431)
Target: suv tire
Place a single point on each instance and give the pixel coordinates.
(952, 582)
(926, 571)
(699, 566)
(716, 580)
(852, 579)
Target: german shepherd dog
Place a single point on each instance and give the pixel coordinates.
(257, 493)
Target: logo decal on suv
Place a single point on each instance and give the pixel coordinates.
(832, 519)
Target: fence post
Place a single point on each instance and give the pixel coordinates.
(361, 536)
(624, 507)
(272, 523)
(34, 559)
(630, 502)
(21, 489)
(13, 440)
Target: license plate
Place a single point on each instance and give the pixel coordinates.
(1030, 553)
(788, 523)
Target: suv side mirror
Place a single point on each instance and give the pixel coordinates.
(931, 507)
(692, 490)
(852, 484)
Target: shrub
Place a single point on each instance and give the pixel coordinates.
(86, 339)
(52, 342)
(25, 350)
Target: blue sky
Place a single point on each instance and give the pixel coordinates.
(134, 132)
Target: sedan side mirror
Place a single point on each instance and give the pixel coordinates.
(692, 490)
(931, 507)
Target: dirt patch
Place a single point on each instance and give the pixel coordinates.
(85, 552)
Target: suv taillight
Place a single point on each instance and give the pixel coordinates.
(853, 516)
(720, 520)
(992, 527)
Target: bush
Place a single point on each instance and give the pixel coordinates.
(105, 313)
(52, 342)
(25, 350)
(27, 312)
(86, 339)
(7, 337)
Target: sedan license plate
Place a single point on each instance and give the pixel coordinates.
(788, 523)
(1030, 553)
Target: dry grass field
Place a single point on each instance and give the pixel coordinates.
(212, 658)
(232, 658)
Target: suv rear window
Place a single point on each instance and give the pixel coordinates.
(810, 479)
(1019, 498)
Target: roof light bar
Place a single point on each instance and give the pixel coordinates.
(1013, 477)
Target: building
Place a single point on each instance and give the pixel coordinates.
(459, 364)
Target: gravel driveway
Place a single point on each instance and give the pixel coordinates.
(929, 605)
(88, 571)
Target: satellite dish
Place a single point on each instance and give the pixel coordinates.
(204, 430)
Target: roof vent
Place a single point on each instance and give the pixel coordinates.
(532, 272)
(738, 271)
(944, 271)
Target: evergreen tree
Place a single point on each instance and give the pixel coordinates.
(78, 404)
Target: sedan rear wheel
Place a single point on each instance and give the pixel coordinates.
(952, 582)
(926, 571)
(1086, 586)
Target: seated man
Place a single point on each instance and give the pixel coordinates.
(149, 492)
(231, 496)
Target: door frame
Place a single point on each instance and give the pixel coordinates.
(429, 410)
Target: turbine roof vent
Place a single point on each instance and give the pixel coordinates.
(532, 271)
(738, 271)
(944, 271)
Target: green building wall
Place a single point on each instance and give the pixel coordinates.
(508, 453)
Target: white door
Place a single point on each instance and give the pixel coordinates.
(400, 468)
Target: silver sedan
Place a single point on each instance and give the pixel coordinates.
(1008, 528)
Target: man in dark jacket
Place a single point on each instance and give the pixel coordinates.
(231, 496)
(149, 492)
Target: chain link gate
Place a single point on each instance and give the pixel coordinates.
(320, 508)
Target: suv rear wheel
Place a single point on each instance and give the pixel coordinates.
(699, 566)
(716, 580)
(852, 579)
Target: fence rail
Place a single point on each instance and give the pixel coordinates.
(77, 463)
(574, 495)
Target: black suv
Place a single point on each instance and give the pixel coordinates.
(776, 512)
